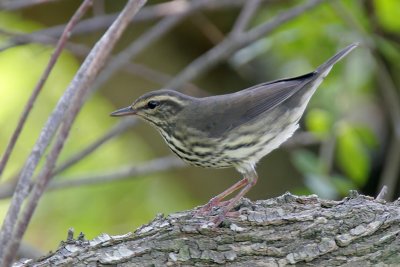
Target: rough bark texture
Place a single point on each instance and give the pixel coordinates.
(287, 230)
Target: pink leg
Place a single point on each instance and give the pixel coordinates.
(250, 182)
(216, 201)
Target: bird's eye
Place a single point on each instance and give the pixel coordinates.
(152, 104)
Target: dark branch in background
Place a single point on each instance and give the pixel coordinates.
(207, 28)
(124, 173)
(116, 130)
(21, 4)
(35, 93)
(390, 96)
(172, 8)
(99, 8)
(82, 51)
(233, 43)
(78, 49)
(245, 16)
(72, 99)
(135, 48)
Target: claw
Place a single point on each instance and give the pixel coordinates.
(207, 208)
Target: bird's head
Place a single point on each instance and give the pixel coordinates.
(158, 107)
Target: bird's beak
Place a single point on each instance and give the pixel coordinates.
(123, 112)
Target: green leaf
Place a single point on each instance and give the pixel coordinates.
(388, 14)
(367, 136)
(352, 156)
(319, 122)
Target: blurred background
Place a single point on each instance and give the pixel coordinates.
(349, 136)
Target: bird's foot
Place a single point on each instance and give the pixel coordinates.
(225, 212)
(207, 208)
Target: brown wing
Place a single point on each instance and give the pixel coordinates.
(215, 115)
(265, 97)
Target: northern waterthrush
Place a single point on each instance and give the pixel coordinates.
(232, 130)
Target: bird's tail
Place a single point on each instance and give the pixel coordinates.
(327, 65)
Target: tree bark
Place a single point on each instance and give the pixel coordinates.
(287, 230)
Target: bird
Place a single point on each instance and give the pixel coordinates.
(230, 130)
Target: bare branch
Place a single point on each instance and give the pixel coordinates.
(301, 139)
(23, 184)
(133, 50)
(99, 8)
(21, 4)
(21, 38)
(382, 193)
(73, 98)
(82, 50)
(172, 8)
(116, 130)
(233, 42)
(209, 29)
(145, 41)
(245, 16)
(53, 59)
(150, 167)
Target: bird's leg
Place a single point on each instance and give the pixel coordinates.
(251, 180)
(216, 201)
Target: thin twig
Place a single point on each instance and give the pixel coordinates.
(116, 130)
(7, 188)
(135, 48)
(233, 42)
(301, 139)
(208, 29)
(382, 193)
(75, 94)
(35, 93)
(245, 16)
(124, 173)
(327, 152)
(22, 38)
(172, 8)
(98, 8)
(23, 184)
(149, 37)
(139, 70)
(21, 4)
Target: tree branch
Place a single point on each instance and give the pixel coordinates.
(124, 173)
(35, 93)
(21, 4)
(245, 16)
(287, 230)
